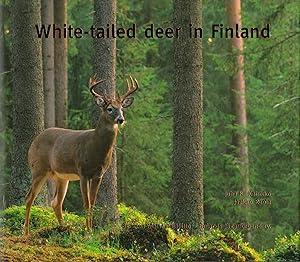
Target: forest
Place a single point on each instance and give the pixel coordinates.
(205, 161)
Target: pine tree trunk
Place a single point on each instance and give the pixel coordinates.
(60, 65)
(104, 66)
(187, 180)
(48, 76)
(238, 97)
(2, 118)
(121, 160)
(48, 65)
(27, 93)
(121, 171)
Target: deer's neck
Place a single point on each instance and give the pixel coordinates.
(105, 135)
(97, 146)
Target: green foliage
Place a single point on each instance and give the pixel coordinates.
(272, 86)
(148, 122)
(286, 249)
(137, 237)
(12, 219)
(80, 66)
(213, 246)
(273, 80)
(130, 215)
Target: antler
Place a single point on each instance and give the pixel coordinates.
(92, 83)
(133, 85)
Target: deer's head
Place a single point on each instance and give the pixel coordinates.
(112, 108)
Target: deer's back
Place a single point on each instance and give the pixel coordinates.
(54, 149)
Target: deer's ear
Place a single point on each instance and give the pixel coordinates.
(127, 101)
(100, 101)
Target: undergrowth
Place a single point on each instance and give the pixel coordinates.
(137, 237)
(286, 249)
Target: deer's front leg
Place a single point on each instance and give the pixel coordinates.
(95, 185)
(85, 191)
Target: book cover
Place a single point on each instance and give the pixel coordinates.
(149, 130)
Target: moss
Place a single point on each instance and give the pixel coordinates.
(137, 231)
(12, 219)
(130, 215)
(144, 237)
(213, 246)
(137, 237)
(286, 249)
(18, 249)
(64, 236)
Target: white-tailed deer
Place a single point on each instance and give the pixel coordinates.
(64, 155)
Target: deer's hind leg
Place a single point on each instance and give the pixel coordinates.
(39, 178)
(61, 187)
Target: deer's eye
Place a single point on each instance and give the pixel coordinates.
(109, 110)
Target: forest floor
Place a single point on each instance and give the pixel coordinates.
(19, 249)
(137, 237)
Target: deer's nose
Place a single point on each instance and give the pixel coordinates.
(120, 120)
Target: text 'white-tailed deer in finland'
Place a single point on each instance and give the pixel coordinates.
(64, 155)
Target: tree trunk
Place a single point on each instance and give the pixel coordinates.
(48, 77)
(121, 160)
(104, 66)
(121, 171)
(48, 65)
(147, 11)
(237, 87)
(2, 118)
(187, 180)
(60, 65)
(28, 106)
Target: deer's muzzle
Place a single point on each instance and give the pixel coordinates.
(119, 120)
